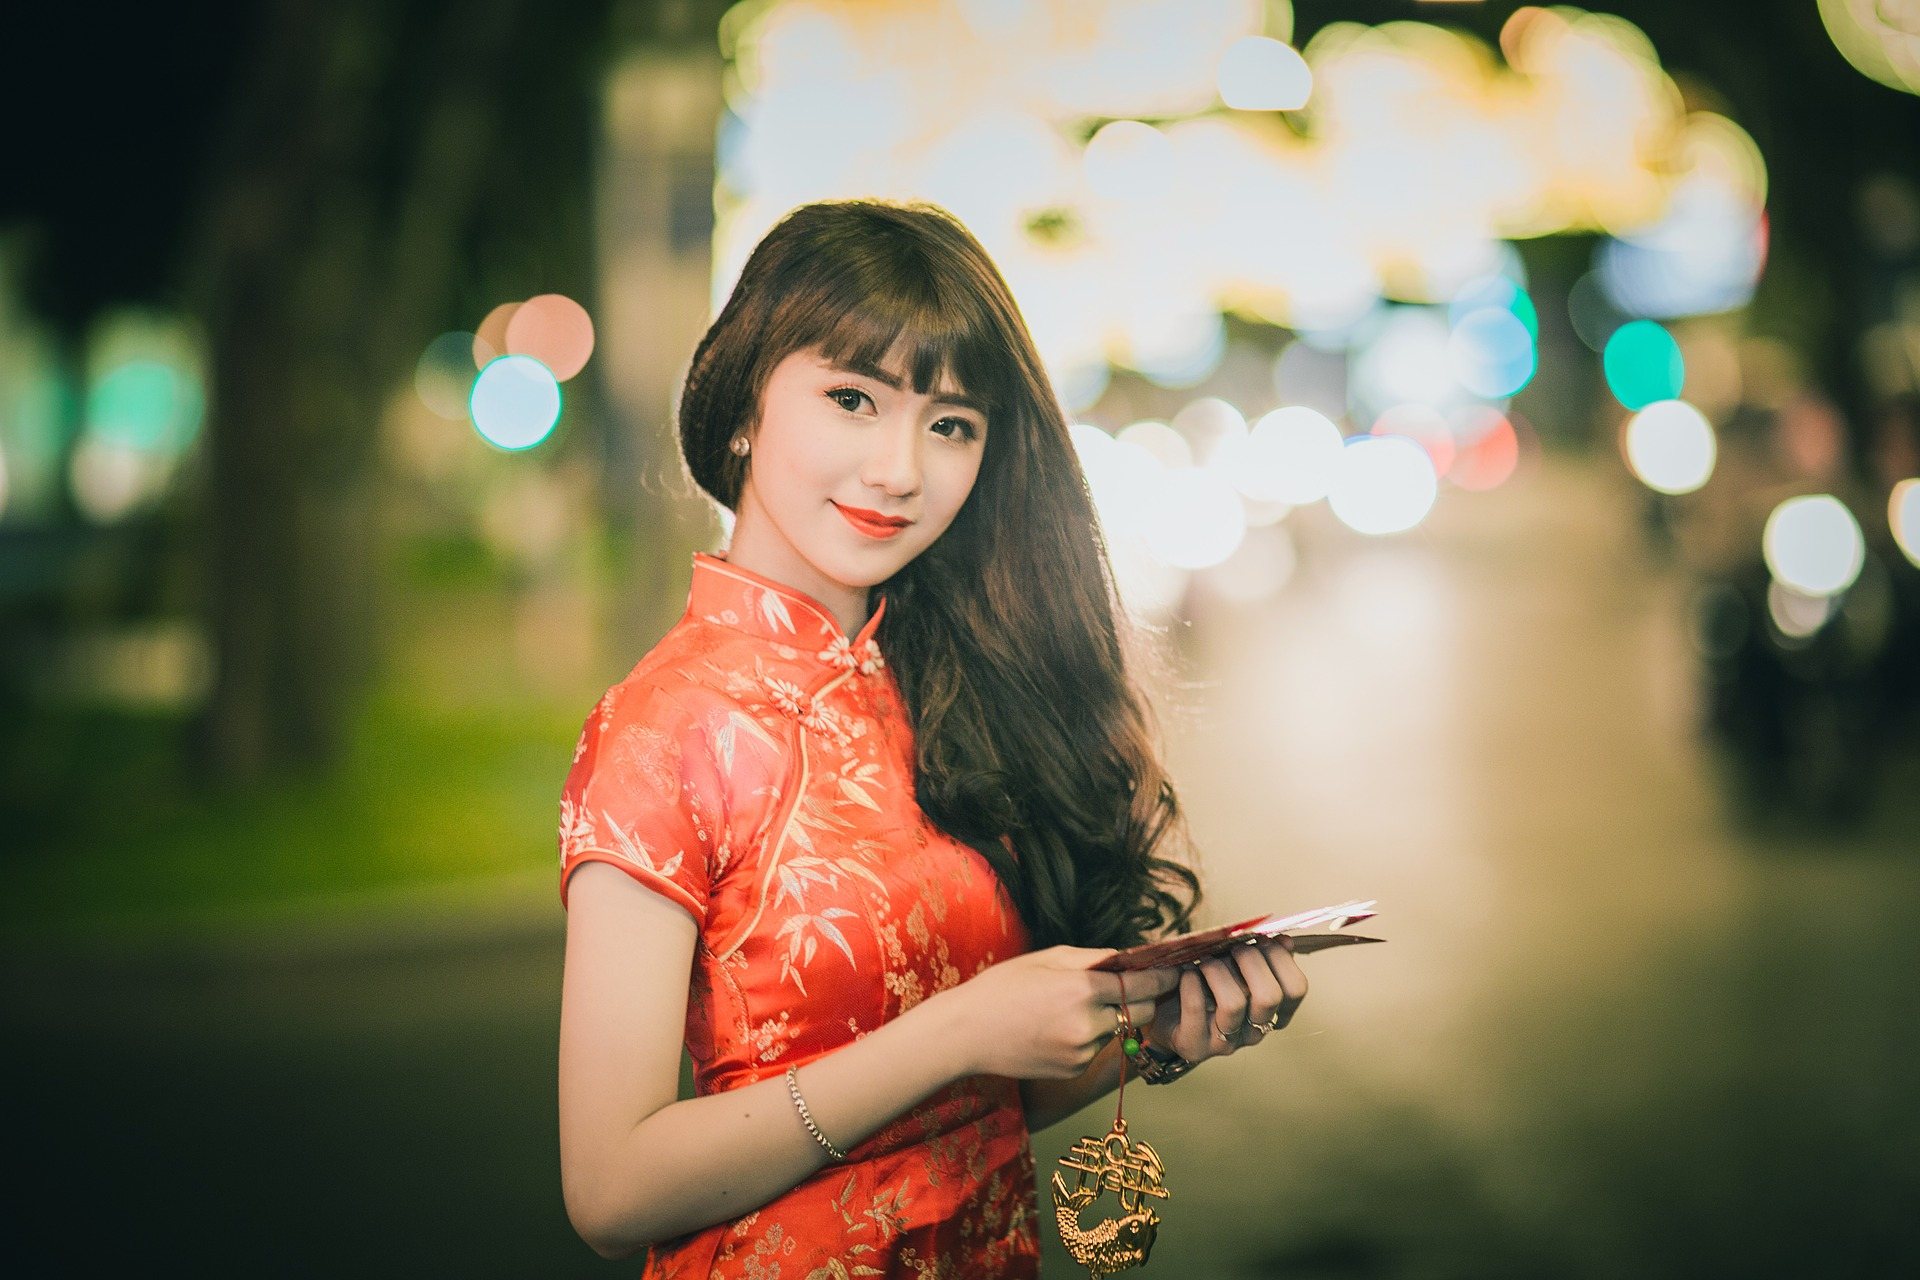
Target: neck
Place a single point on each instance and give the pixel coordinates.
(758, 548)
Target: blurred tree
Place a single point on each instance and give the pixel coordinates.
(383, 168)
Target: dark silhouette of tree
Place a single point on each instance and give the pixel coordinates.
(386, 171)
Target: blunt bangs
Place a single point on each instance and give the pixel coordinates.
(883, 322)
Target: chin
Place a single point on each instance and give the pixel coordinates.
(853, 570)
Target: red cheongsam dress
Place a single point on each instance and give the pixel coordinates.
(756, 768)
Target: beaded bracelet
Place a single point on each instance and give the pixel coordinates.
(806, 1117)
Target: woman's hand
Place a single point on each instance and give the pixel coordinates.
(1045, 1014)
(1228, 1003)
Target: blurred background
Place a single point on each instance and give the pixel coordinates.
(1506, 420)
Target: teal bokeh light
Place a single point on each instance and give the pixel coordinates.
(146, 405)
(1496, 292)
(515, 403)
(1643, 364)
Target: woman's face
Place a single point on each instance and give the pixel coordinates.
(837, 454)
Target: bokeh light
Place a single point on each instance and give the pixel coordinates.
(1259, 73)
(1643, 364)
(1814, 545)
(1289, 457)
(146, 404)
(1880, 39)
(553, 329)
(1796, 615)
(111, 479)
(1214, 429)
(1487, 450)
(1670, 446)
(1426, 426)
(1494, 291)
(490, 339)
(1382, 485)
(516, 402)
(1127, 160)
(1195, 520)
(1491, 352)
(1408, 361)
(443, 379)
(1168, 447)
(1594, 317)
(1903, 515)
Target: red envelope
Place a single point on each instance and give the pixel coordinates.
(1191, 948)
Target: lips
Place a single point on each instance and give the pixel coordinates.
(872, 523)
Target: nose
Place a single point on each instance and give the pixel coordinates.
(892, 463)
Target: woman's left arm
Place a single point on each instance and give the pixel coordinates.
(1220, 1006)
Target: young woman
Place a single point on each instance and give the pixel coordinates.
(856, 828)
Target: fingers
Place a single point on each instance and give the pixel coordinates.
(1292, 979)
(1230, 1001)
(1193, 1037)
(1265, 995)
(1147, 984)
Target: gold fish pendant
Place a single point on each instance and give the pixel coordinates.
(1132, 1171)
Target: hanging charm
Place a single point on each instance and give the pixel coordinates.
(1116, 1163)
(1131, 1170)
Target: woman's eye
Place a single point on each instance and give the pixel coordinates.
(963, 429)
(847, 398)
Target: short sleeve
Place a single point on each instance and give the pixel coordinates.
(634, 797)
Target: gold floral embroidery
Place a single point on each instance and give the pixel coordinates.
(832, 905)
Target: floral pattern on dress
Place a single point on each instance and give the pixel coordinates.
(756, 768)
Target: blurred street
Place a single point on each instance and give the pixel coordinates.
(1614, 1032)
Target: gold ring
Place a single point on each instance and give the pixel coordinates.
(1271, 1024)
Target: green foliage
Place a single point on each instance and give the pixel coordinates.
(421, 797)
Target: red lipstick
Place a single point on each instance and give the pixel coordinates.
(872, 523)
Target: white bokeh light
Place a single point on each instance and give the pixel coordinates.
(1195, 520)
(1671, 447)
(1127, 160)
(1814, 545)
(1168, 447)
(1383, 484)
(1212, 427)
(1903, 515)
(1408, 360)
(1259, 73)
(516, 402)
(1289, 457)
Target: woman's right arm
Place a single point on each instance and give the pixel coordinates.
(639, 1167)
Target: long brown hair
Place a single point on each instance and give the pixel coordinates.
(1006, 634)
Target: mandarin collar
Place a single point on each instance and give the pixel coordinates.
(725, 593)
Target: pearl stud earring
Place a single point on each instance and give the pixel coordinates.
(739, 445)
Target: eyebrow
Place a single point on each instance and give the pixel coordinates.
(886, 379)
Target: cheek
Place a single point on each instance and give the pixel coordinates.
(795, 461)
(949, 484)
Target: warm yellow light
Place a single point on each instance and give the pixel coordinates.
(1881, 41)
